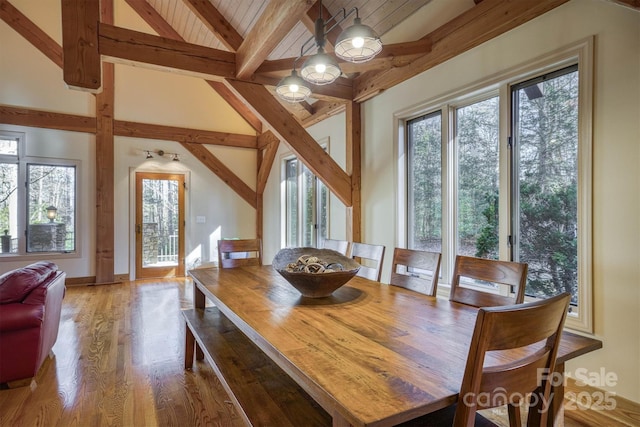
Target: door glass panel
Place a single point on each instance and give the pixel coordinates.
(160, 228)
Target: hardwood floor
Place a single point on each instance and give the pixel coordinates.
(119, 362)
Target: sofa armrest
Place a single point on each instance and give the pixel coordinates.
(16, 316)
(54, 284)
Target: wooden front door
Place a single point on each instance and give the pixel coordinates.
(159, 225)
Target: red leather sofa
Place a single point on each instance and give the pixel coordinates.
(30, 305)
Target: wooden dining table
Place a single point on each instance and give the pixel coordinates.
(371, 354)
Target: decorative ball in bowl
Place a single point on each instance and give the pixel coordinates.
(315, 273)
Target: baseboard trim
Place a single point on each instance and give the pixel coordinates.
(91, 280)
(594, 406)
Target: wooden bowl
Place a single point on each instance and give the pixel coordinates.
(315, 285)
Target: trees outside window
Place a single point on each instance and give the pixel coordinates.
(458, 204)
(41, 215)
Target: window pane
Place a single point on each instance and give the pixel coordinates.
(477, 131)
(546, 150)
(308, 207)
(424, 136)
(323, 224)
(292, 202)
(8, 145)
(51, 208)
(9, 207)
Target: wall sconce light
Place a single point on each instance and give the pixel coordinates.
(161, 153)
(52, 211)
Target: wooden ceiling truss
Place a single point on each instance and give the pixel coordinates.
(244, 78)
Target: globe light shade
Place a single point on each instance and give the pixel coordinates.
(292, 88)
(358, 43)
(320, 69)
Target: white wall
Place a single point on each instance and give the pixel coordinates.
(616, 165)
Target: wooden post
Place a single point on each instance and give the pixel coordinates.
(81, 55)
(105, 245)
(354, 168)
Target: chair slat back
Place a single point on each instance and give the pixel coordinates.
(531, 334)
(371, 259)
(341, 246)
(247, 252)
(421, 270)
(509, 273)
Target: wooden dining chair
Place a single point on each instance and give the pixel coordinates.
(239, 252)
(416, 270)
(370, 258)
(341, 246)
(513, 274)
(520, 343)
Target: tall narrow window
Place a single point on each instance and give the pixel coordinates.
(306, 205)
(477, 137)
(424, 192)
(545, 158)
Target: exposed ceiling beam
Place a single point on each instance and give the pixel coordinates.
(323, 110)
(296, 137)
(46, 119)
(275, 22)
(268, 144)
(172, 133)
(31, 32)
(162, 27)
(487, 20)
(82, 67)
(216, 166)
(216, 23)
(128, 46)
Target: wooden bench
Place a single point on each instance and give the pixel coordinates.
(262, 392)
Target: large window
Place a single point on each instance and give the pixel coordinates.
(305, 206)
(39, 216)
(500, 176)
(545, 159)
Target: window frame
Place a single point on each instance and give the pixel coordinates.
(580, 53)
(23, 161)
(284, 158)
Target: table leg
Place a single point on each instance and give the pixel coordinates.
(198, 297)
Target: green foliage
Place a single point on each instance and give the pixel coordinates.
(487, 241)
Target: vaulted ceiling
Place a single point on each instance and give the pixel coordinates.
(242, 48)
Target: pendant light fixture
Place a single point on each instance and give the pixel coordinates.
(292, 88)
(358, 43)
